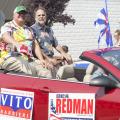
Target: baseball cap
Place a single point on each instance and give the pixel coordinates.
(20, 9)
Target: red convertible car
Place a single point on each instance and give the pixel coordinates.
(83, 91)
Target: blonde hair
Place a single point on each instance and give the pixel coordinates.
(118, 32)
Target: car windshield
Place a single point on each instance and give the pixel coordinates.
(113, 57)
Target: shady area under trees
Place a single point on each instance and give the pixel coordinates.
(54, 9)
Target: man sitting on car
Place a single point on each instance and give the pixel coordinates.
(47, 41)
(16, 47)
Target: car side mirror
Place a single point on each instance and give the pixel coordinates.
(104, 81)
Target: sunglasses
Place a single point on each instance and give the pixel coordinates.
(22, 12)
(41, 15)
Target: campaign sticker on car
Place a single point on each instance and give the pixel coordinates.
(16, 104)
(71, 106)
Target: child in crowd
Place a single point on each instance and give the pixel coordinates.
(66, 50)
(117, 38)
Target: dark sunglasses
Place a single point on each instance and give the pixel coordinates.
(41, 15)
(22, 12)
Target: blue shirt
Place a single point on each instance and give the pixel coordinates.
(45, 37)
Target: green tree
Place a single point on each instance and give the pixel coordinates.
(54, 9)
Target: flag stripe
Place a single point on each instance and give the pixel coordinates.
(106, 30)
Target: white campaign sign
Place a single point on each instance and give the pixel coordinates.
(71, 106)
(16, 104)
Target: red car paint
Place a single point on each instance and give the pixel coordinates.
(107, 106)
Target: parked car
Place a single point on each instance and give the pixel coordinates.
(75, 95)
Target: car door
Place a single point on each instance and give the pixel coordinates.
(108, 106)
(43, 87)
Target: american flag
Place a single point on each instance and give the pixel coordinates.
(102, 20)
(53, 115)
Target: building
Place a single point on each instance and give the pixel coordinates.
(83, 35)
(7, 7)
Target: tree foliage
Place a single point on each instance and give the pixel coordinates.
(54, 9)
